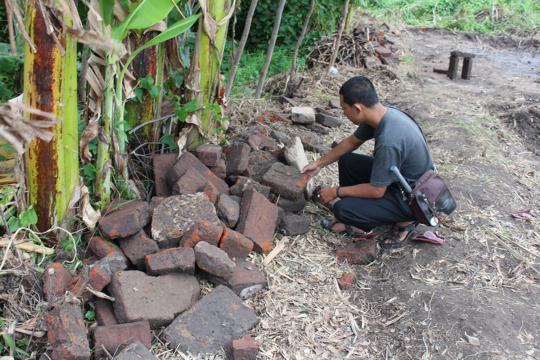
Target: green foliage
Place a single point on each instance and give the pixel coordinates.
(323, 21)
(8, 345)
(475, 15)
(14, 221)
(147, 84)
(90, 315)
(10, 70)
(169, 141)
(251, 64)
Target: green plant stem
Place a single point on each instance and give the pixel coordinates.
(103, 164)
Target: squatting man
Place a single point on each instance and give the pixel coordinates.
(369, 195)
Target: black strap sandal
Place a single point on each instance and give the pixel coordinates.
(328, 224)
(392, 243)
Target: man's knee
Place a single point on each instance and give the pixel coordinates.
(345, 159)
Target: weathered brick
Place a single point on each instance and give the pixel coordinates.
(259, 163)
(281, 137)
(177, 214)
(154, 202)
(190, 161)
(235, 244)
(286, 181)
(228, 210)
(246, 280)
(211, 324)
(97, 276)
(262, 142)
(112, 337)
(126, 221)
(105, 313)
(189, 183)
(66, 332)
(244, 348)
(347, 280)
(202, 231)
(209, 154)
(162, 163)
(211, 192)
(243, 183)
(303, 115)
(56, 280)
(291, 205)
(362, 252)
(156, 299)
(220, 169)
(334, 103)
(237, 158)
(136, 247)
(318, 128)
(135, 351)
(101, 272)
(213, 260)
(327, 119)
(258, 218)
(293, 224)
(171, 260)
(101, 247)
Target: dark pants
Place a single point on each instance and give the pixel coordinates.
(368, 213)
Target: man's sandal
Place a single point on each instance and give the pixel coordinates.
(394, 242)
(328, 224)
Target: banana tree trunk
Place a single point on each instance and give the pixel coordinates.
(203, 81)
(148, 62)
(50, 85)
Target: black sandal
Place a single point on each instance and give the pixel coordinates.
(328, 224)
(394, 244)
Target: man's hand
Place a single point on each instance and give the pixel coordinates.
(312, 169)
(327, 194)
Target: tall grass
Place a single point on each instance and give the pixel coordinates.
(483, 16)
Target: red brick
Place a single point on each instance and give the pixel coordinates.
(237, 158)
(244, 348)
(258, 220)
(97, 276)
(171, 260)
(66, 332)
(105, 313)
(362, 252)
(136, 247)
(262, 142)
(189, 183)
(190, 161)
(383, 51)
(101, 247)
(243, 183)
(211, 191)
(247, 279)
(56, 280)
(90, 259)
(228, 210)
(286, 181)
(209, 154)
(213, 260)
(220, 170)
(235, 244)
(126, 221)
(112, 337)
(202, 231)
(347, 280)
(154, 202)
(259, 163)
(162, 164)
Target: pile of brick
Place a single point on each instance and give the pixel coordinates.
(212, 208)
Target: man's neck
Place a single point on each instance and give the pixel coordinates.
(375, 115)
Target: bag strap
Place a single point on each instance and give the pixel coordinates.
(421, 132)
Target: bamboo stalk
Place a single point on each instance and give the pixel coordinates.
(270, 51)
(240, 50)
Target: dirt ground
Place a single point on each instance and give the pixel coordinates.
(478, 295)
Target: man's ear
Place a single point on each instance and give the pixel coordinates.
(359, 107)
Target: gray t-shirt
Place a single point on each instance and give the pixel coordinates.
(398, 141)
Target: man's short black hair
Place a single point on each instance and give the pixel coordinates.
(359, 89)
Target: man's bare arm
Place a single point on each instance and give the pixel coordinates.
(346, 146)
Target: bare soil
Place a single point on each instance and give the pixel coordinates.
(475, 297)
